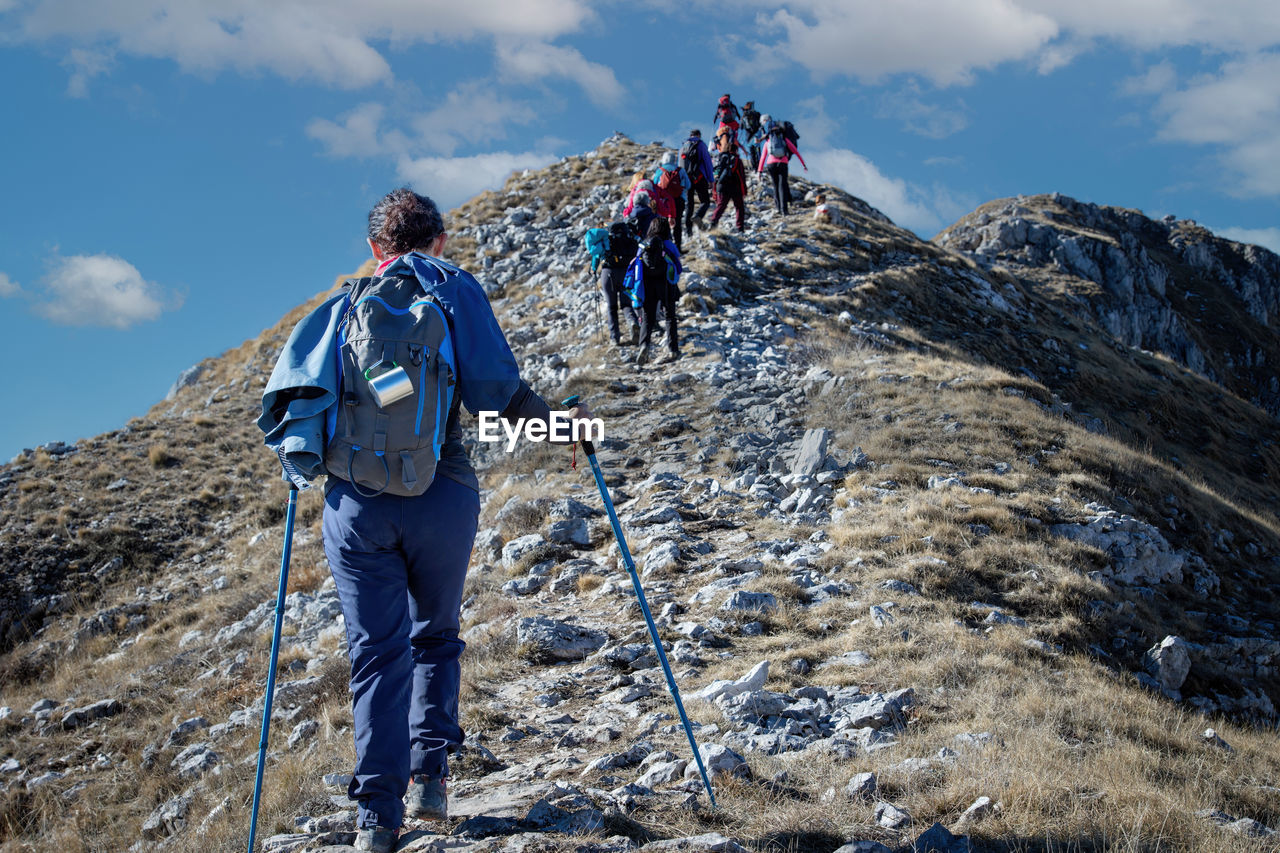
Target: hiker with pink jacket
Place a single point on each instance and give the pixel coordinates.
(775, 159)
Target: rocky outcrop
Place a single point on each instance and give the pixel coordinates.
(1167, 285)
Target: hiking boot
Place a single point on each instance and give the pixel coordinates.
(642, 356)
(426, 799)
(635, 335)
(376, 839)
(671, 356)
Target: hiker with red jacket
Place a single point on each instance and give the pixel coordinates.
(730, 178)
(727, 116)
(671, 179)
(695, 159)
(774, 159)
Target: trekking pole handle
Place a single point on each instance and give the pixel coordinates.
(570, 402)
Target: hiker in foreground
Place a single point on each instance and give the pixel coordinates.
(367, 390)
(696, 162)
(775, 159)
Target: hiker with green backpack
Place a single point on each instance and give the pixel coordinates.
(368, 389)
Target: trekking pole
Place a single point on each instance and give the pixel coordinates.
(275, 652)
(588, 447)
(600, 317)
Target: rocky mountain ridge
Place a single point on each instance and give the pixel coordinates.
(915, 597)
(1168, 285)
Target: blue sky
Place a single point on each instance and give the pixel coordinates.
(177, 175)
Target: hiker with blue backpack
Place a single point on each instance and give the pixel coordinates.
(612, 250)
(368, 390)
(653, 281)
(777, 153)
(695, 159)
(671, 179)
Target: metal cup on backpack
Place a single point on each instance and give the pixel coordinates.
(389, 387)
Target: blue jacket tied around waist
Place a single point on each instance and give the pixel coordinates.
(298, 405)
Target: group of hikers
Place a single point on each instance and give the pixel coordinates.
(368, 390)
(637, 258)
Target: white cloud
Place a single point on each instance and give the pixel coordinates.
(449, 181)
(1155, 80)
(943, 40)
(8, 287)
(85, 65)
(947, 41)
(1237, 109)
(1266, 237)
(909, 205)
(102, 290)
(356, 134)
(1149, 24)
(329, 41)
(924, 119)
(471, 113)
(815, 127)
(528, 61)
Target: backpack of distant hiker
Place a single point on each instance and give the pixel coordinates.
(662, 202)
(789, 131)
(751, 121)
(597, 240)
(669, 181)
(726, 168)
(778, 144)
(622, 246)
(633, 280)
(691, 161)
(397, 374)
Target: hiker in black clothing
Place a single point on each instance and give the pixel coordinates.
(695, 159)
(730, 179)
(751, 129)
(662, 269)
(642, 214)
(622, 250)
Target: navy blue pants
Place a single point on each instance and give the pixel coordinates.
(399, 564)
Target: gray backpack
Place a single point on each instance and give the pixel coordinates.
(397, 378)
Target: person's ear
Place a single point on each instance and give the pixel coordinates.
(437, 245)
(378, 254)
